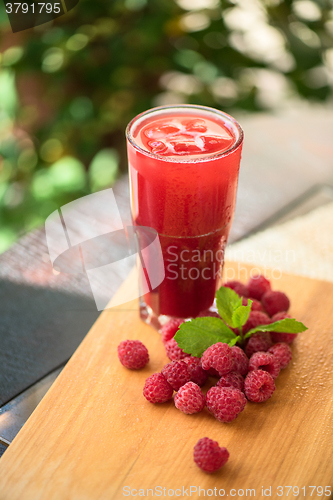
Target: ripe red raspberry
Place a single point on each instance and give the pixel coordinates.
(157, 389)
(233, 380)
(213, 373)
(133, 354)
(174, 352)
(258, 386)
(266, 362)
(255, 306)
(275, 302)
(219, 357)
(169, 330)
(209, 456)
(282, 352)
(280, 315)
(241, 361)
(210, 313)
(238, 287)
(256, 318)
(225, 403)
(257, 286)
(260, 341)
(189, 399)
(198, 374)
(288, 338)
(176, 374)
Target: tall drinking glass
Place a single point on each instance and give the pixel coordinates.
(183, 169)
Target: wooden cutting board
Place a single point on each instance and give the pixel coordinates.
(95, 437)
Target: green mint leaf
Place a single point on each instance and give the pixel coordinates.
(241, 315)
(287, 325)
(227, 301)
(195, 336)
(234, 341)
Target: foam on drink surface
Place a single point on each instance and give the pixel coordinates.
(185, 136)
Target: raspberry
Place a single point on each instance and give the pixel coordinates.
(209, 456)
(198, 374)
(281, 315)
(241, 361)
(238, 287)
(176, 374)
(282, 352)
(260, 341)
(266, 362)
(174, 352)
(257, 286)
(157, 389)
(288, 338)
(233, 380)
(213, 373)
(169, 330)
(256, 318)
(133, 354)
(259, 386)
(225, 403)
(210, 313)
(275, 302)
(219, 357)
(256, 305)
(189, 399)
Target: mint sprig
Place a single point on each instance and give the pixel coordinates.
(196, 335)
(287, 325)
(230, 308)
(227, 301)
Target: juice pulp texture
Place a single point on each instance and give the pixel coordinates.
(187, 193)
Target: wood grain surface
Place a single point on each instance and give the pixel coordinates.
(94, 434)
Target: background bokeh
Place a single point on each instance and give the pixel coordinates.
(68, 88)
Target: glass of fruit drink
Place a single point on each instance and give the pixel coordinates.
(183, 170)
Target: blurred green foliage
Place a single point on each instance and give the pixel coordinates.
(68, 88)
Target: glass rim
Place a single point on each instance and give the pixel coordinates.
(180, 158)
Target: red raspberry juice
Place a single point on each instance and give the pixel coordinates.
(183, 169)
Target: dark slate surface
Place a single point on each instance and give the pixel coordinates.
(43, 316)
(39, 330)
(3, 448)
